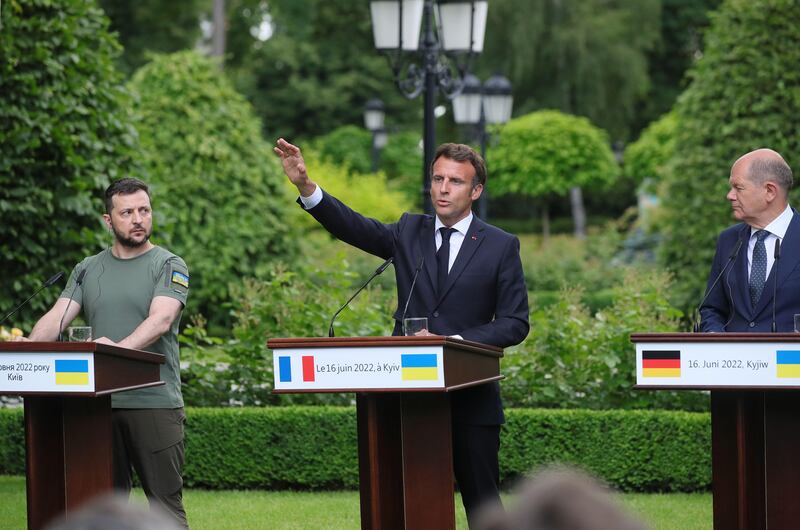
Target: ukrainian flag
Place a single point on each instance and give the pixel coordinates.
(72, 372)
(419, 367)
(788, 363)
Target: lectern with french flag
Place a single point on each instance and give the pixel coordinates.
(754, 379)
(402, 387)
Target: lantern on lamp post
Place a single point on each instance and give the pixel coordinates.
(430, 46)
(478, 105)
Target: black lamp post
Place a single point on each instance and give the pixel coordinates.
(374, 115)
(478, 105)
(405, 30)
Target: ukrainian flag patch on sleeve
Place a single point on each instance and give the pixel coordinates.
(180, 278)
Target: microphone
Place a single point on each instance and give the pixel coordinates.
(78, 281)
(50, 281)
(775, 282)
(372, 277)
(732, 256)
(410, 292)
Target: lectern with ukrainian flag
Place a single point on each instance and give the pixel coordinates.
(67, 387)
(402, 387)
(754, 379)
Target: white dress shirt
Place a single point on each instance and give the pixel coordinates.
(777, 230)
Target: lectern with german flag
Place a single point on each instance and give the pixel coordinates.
(67, 387)
(754, 379)
(402, 386)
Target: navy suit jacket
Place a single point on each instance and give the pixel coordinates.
(485, 299)
(728, 307)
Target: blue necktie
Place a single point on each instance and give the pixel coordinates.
(758, 270)
(443, 258)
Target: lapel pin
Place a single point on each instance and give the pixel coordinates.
(474, 238)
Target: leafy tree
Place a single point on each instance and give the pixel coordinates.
(585, 57)
(744, 94)
(150, 26)
(647, 157)
(400, 160)
(222, 197)
(682, 25)
(548, 153)
(64, 133)
(316, 71)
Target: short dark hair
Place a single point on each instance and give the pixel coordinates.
(124, 186)
(776, 170)
(463, 153)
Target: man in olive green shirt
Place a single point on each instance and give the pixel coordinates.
(132, 295)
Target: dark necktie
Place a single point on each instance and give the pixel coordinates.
(758, 270)
(443, 257)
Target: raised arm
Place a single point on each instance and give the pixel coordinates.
(294, 166)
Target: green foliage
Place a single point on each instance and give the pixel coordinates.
(585, 57)
(744, 94)
(149, 26)
(65, 133)
(296, 303)
(682, 25)
(221, 193)
(647, 157)
(12, 442)
(348, 145)
(631, 450)
(315, 447)
(548, 152)
(317, 70)
(575, 359)
(400, 160)
(368, 194)
(273, 448)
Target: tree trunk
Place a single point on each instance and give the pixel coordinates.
(218, 35)
(545, 221)
(578, 211)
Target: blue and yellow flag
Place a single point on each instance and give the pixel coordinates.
(419, 367)
(72, 372)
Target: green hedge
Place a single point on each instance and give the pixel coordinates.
(315, 447)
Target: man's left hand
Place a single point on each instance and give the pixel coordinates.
(105, 340)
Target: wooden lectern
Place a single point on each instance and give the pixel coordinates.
(67, 389)
(405, 452)
(754, 380)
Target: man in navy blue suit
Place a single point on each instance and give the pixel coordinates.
(742, 299)
(470, 285)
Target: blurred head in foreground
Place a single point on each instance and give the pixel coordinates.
(114, 512)
(560, 499)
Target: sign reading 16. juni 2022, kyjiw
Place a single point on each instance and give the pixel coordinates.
(697, 364)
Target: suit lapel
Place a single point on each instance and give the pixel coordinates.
(472, 241)
(742, 290)
(790, 257)
(427, 243)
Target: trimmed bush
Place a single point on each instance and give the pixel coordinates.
(65, 132)
(315, 447)
(221, 202)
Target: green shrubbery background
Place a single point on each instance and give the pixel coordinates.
(315, 447)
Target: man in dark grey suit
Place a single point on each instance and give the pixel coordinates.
(470, 286)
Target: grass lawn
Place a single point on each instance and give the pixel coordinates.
(283, 510)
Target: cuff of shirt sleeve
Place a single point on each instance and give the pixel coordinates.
(313, 199)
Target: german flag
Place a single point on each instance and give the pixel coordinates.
(661, 363)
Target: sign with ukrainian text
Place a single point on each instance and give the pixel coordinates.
(46, 372)
(359, 368)
(718, 364)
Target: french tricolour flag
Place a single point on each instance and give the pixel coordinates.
(285, 368)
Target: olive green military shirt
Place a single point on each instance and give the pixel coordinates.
(115, 298)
